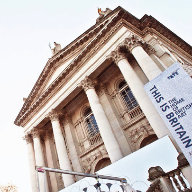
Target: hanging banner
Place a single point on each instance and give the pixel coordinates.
(171, 94)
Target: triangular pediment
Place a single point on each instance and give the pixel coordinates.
(69, 57)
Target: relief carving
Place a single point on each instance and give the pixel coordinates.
(138, 133)
(28, 138)
(149, 49)
(87, 165)
(188, 69)
(102, 14)
(35, 133)
(53, 115)
(117, 56)
(132, 42)
(87, 83)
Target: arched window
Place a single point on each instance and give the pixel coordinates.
(91, 123)
(127, 96)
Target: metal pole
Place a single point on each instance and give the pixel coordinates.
(44, 181)
(37, 177)
(42, 169)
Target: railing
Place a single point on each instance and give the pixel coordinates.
(178, 180)
(135, 112)
(95, 139)
(172, 180)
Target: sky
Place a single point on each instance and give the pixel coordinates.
(26, 28)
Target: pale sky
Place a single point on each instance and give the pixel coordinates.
(26, 28)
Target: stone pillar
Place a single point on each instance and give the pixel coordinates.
(61, 147)
(50, 163)
(105, 129)
(72, 145)
(149, 67)
(157, 173)
(152, 53)
(31, 158)
(141, 96)
(112, 115)
(185, 168)
(39, 158)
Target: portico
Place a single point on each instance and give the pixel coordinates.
(88, 108)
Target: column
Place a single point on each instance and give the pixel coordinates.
(141, 96)
(50, 163)
(72, 145)
(152, 53)
(112, 115)
(105, 129)
(149, 67)
(31, 158)
(61, 147)
(39, 158)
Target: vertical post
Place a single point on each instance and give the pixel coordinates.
(105, 129)
(61, 147)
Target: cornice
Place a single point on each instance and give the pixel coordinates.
(151, 22)
(82, 57)
(94, 35)
(90, 33)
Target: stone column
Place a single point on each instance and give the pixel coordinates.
(105, 129)
(152, 53)
(141, 96)
(31, 158)
(149, 67)
(185, 168)
(39, 157)
(72, 145)
(61, 147)
(50, 163)
(112, 115)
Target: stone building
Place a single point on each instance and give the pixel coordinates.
(88, 107)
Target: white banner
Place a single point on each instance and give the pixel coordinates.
(171, 94)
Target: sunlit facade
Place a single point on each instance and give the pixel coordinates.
(88, 107)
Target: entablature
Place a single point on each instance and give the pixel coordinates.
(101, 34)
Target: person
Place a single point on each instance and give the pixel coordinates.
(56, 49)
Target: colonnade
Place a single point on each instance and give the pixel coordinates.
(151, 70)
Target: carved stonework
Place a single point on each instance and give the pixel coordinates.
(28, 138)
(188, 69)
(114, 94)
(103, 89)
(35, 133)
(68, 119)
(54, 115)
(138, 133)
(87, 165)
(149, 49)
(155, 172)
(102, 14)
(182, 161)
(132, 42)
(87, 83)
(47, 134)
(117, 56)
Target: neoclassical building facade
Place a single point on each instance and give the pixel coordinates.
(88, 107)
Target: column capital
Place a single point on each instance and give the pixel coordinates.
(68, 118)
(54, 115)
(87, 83)
(148, 49)
(132, 42)
(28, 138)
(47, 134)
(35, 133)
(117, 55)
